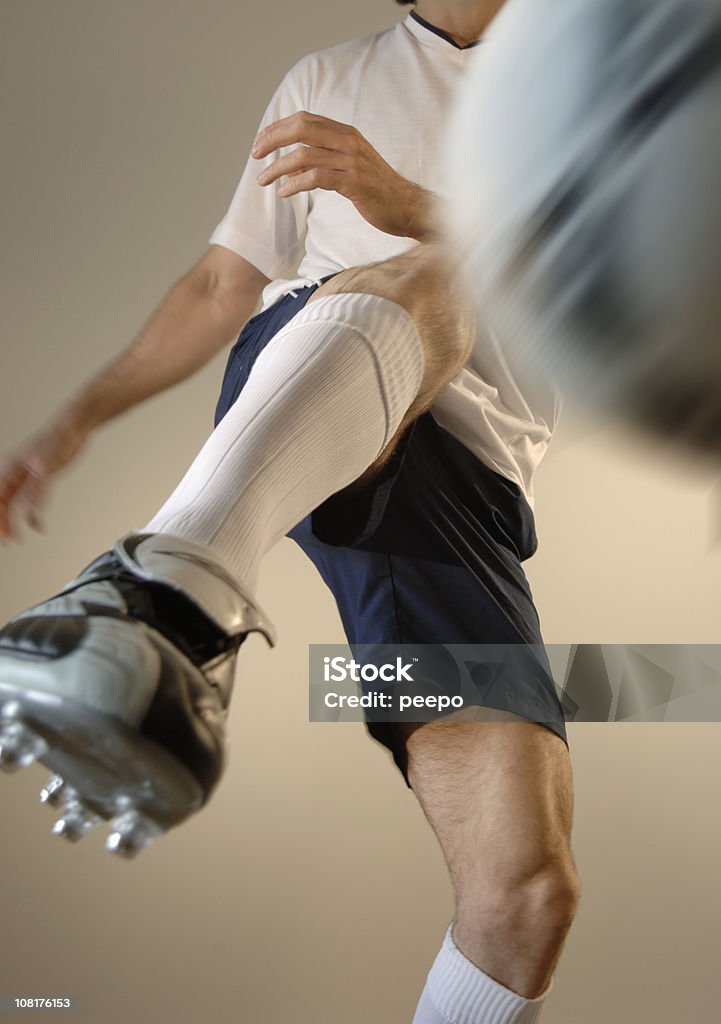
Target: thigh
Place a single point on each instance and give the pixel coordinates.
(419, 279)
(498, 795)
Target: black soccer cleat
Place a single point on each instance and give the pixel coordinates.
(121, 684)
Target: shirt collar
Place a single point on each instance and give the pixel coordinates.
(432, 36)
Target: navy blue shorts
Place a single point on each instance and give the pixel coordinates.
(428, 552)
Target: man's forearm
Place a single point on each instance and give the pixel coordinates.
(192, 324)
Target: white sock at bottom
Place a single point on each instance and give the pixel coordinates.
(322, 401)
(458, 992)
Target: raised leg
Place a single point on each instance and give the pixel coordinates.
(324, 406)
(121, 683)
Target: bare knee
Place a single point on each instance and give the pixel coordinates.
(424, 283)
(515, 930)
(548, 896)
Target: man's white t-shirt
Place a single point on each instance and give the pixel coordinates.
(395, 87)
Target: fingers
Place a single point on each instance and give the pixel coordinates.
(34, 493)
(303, 159)
(316, 177)
(11, 482)
(309, 129)
(326, 151)
(23, 490)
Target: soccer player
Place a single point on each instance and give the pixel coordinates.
(366, 413)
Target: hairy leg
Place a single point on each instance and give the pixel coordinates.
(498, 796)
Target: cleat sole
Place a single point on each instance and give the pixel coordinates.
(102, 769)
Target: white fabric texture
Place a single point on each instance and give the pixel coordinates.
(396, 88)
(458, 992)
(323, 400)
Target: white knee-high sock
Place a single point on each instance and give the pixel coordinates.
(458, 992)
(323, 399)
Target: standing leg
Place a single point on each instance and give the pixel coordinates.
(499, 797)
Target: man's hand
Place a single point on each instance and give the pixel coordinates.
(336, 157)
(25, 479)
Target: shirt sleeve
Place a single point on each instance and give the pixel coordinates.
(263, 228)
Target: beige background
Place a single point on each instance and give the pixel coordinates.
(311, 890)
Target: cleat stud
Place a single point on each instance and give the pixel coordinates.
(19, 747)
(123, 804)
(65, 830)
(76, 822)
(131, 833)
(53, 793)
(10, 710)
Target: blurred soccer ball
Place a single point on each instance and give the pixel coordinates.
(585, 168)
